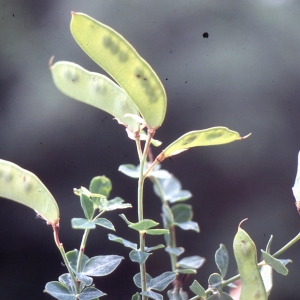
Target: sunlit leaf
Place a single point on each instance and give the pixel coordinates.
(143, 225)
(177, 251)
(215, 282)
(152, 295)
(149, 249)
(189, 225)
(90, 293)
(72, 257)
(160, 282)
(101, 265)
(59, 291)
(157, 231)
(138, 281)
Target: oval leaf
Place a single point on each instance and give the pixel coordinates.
(143, 225)
(101, 185)
(59, 291)
(276, 264)
(221, 259)
(138, 256)
(101, 265)
(182, 213)
(81, 223)
(94, 89)
(160, 282)
(197, 289)
(194, 262)
(72, 257)
(117, 57)
(24, 187)
(104, 223)
(90, 293)
(206, 137)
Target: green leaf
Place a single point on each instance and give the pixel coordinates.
(157, 231)
(116, 203)
(87, 206)
(94, 89)
(276, 264)
(138, 282)
(152, 295)
(177, 251)
(136, 296)
(160, 282)
(24, 187)
(101, 185)
(81, 223)
(104, 223)
(126, 243)
(182, 213)
(59, 291)
(66, 279)
(221, 259)
(171, 189)
(143, 225)
(197, 289)
(138, 256)
(215, 282)
(118, 58)
(220, 296)
(125, 219)
(129, 170)
(206, 137)
(194, 262)
(149, 249)
(189, 225)
(90, 293)
(72, 257)
(101, 265)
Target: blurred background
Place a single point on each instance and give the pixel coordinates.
(244, 76)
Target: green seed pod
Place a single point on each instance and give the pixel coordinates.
(22, 186)
(116, 56)
(94, 89)
(246, 258)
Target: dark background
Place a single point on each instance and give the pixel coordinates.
(244, 76)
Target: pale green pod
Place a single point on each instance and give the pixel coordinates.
(246, 257)
(94, 89)
(22, 186)
(116, 56)
(206, 137)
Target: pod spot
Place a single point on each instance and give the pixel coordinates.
(138, 73)
(123, 56)
(189, 140)
(107, 41)
(214, 135)
(70, 75)
(8, 176)
(98, 86)
(144, 79)
(114, 48)
(152, 99)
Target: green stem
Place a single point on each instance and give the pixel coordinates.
(288, 245)
(82, 248)
(141, 210)
(83, 243)
(171, 228)
(65, 259)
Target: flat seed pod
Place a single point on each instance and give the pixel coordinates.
(22, 186)
(206, 137)
(246, 258)
(94, 89)
(116, 56)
